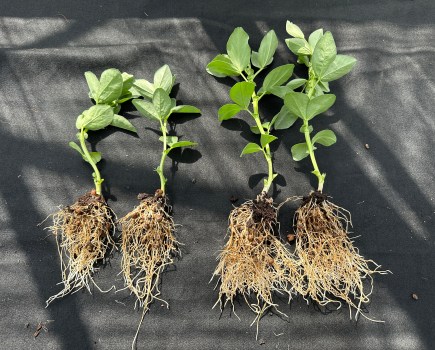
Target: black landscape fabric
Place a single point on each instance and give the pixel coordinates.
(386, 102)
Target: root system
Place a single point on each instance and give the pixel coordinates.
(254, 262)
(334, 271)
(83, 234)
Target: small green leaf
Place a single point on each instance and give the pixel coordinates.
(284, 119)
(277, 77)
(181, 144)
(304, 128)
(162, 102)
(266, 139)
(241, 93)
(228, 111)
(254, 59)
(93, 84)
(319, 105)
(146, 109)
(294, 30)
(95, 156)
(324, 86)
(299, 151)
(256, 130)
(297, 103)
(251, 148)
(127, 83)
(221, 66)
(164, 79)
(281, 91)
(302, 59)
(341, 66)
(122, 123)
(325, 138)
(185, 109)
(296, 83)
(170, 140)
(110, 87)
(238, 49)
(267, 49)
(296, 44)
(95, 118)
(314, 38)
(324, 54)
(144, 88)
(76, 147)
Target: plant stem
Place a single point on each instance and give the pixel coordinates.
(164, 154)
(266, 150)
(97, 176)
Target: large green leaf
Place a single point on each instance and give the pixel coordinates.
(325, 138)
(144, 88)
(265, 139)
(277, 77)
(294, 30)
(221, 66)
(341, 66)
(228, 111)
(299, 151)
(110, 87)
(324, 54)
(251, 148)
(120, 122)
(297, 103)
(267, 49)
(319, 105)
(314, 38)
(146, 109)
(164, 79)
(238, 49)
(284, 119)
(241, 93)
(93, 84)
(95, 118)
(162, 102)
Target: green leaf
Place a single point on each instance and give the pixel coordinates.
(181, 144)
(241, 93)
(95, 118)
(144, 88)
(325, 138)
(324, 54)
(110, 87)
(340, 66)
(127, 83)
(251, 148)
(185, 109)
(95, 156)
(162, 103)
(266, 139)
(238, 49)
(76, 147)
(284, 119)
(146, 109)
(122, 123)
(281, 91)
(228, 111)
(164, 79)
(302, 59)
(303, 128)
(170, 140)
(294, 30)
(296, 44)
(256, 130)
(314, 38)
(299, 151)
(297, 103)
(221, 66)
(254, 59)
(324, 86)
(319, 105)
(277, 77)
(267, 49)
(93, 84)
(296, 83)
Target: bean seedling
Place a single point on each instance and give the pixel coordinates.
(148, 241)
(84, 230)
(254, 263)
(334, 270)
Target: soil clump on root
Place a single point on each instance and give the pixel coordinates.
(254, 262)
(334, 271)
(84, 236)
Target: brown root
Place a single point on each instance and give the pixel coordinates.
(334, 271)
(83, 234)
(254, 262)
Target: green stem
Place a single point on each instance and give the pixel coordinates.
(162, 160)
(266, 150)
(97, 176)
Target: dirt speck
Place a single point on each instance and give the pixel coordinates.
(414, 296)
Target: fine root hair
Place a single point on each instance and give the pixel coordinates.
(254, 263)
(334, 271)
(84, 236)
